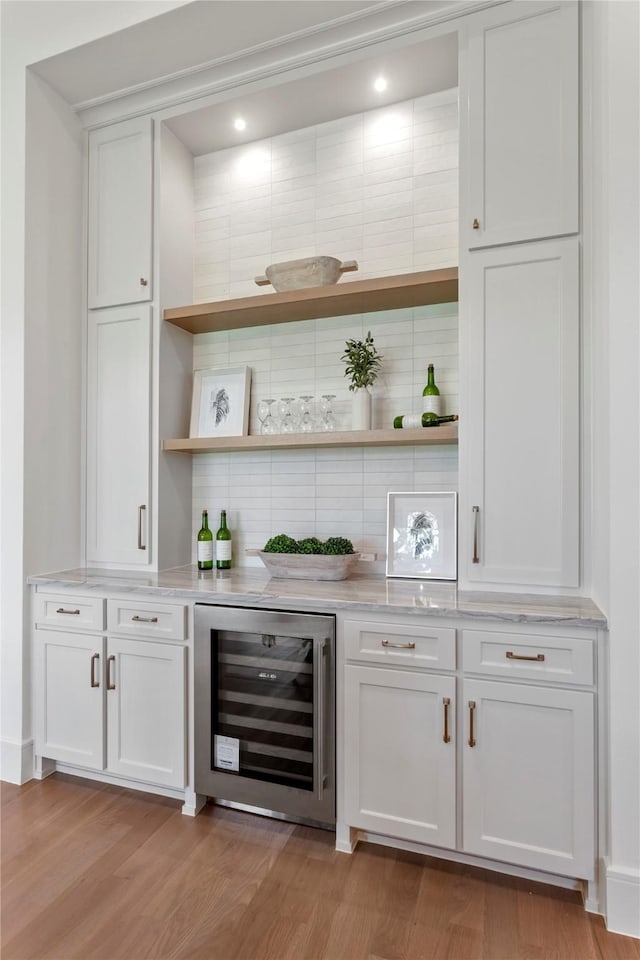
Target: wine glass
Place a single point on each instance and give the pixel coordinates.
(328, 421)
(287, 421)
(268, 425)
(307, 424)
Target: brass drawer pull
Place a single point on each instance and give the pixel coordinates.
(94, 659)
(138, 619)
(447, 703)
(401, 646)
(475, 558)
(110, 684)
(73, 613)
(539, 657)
(472, 713)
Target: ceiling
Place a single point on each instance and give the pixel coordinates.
(192, 37)
(410, 72)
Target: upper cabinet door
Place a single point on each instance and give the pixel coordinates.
(120, 213)
(521, 97)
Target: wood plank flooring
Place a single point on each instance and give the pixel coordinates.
(96, 871)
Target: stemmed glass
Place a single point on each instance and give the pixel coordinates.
(268, 425)
(306, 417)
(285, 413)
(328, 421)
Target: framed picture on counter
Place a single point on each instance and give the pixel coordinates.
(220, 404)
(422, 535)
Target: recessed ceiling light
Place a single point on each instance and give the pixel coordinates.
(380, 84)
(239, 123)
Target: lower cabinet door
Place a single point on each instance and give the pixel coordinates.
(400, 754)
(146, 710)
(69, 698)
(528, 776)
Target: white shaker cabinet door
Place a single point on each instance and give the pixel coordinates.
(400, 753)
(69, 698)
(146, 710)
(120, 213)
(519, 426)
(528, 776)
(118, 435)
(520, 96)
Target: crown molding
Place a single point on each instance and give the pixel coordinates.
(298, 54)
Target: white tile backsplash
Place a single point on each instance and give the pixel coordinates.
(380, 188)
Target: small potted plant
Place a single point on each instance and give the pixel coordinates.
(362, 366)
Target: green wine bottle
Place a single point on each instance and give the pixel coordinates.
(422, 420)
(223, 544)
(205, 544)
(431, 402)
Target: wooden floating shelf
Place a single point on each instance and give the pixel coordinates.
(446, 433)
(342, 299)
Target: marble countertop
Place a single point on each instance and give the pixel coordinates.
(373, 594)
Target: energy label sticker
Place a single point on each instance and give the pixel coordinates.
(227, 753)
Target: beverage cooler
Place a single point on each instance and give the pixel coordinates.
(265, 710)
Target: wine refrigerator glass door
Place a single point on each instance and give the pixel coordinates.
(271, 705)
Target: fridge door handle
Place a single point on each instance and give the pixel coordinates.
(320, 690)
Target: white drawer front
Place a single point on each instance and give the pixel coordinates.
(416, 644)
(69, 612)
(527, 656)
(135, 618)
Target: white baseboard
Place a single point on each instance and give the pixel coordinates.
(623, 901)
(16, 761)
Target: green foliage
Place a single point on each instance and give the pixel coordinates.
(281, 544)
(363, 362)
(334, 546)
(337, 546)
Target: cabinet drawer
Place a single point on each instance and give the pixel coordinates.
(528, 656)
(135, 618)
(69, 612)
(416, 644)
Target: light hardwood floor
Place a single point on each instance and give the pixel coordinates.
(95, 871)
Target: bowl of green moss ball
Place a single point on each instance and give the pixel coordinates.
(309, 559)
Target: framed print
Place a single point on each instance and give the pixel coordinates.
(422, 535)
(220, 405)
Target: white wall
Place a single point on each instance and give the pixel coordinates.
(30, 32)
(613, 295)
(380, 188)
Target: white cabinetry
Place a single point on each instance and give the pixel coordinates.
(110, 703)
(504, 770)
(119, 435)
(528, 776)
(120, 213)
(519, 520)
(399, 738)
(522, 96)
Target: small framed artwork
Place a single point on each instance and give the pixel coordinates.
(220, 405)
(422, 535)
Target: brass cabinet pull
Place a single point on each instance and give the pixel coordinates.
(141, 508)
(138, 619)
(143, 282)
(401, 646)
(476, 514)
(94, 659)
(539, 657)
(472, 713)
(73, 613)
(476, 223)
(447, 703)
(110, 684)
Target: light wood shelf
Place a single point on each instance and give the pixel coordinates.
(446, 433)
(342, 299)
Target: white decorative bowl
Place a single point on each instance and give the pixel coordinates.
(308, 566)
(308, 272)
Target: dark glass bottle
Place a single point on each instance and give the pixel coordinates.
(205, 544)
(431, 395)
(223, 544)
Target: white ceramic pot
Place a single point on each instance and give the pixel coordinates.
(361, 410)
